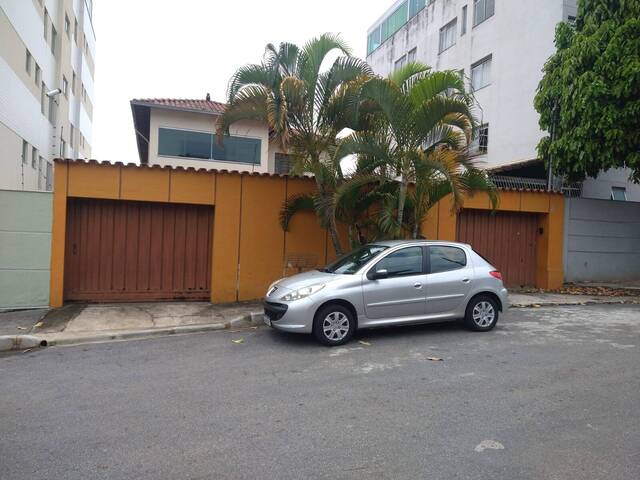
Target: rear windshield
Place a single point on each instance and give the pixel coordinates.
(354, 261)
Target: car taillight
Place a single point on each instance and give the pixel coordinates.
(496, 274)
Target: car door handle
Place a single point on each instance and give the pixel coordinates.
(465, 280)
(417, 285)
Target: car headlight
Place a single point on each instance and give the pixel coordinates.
(302, 292)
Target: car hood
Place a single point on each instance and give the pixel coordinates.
(312, 277)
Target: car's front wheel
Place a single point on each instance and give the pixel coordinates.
(481, 314)
(334, 325)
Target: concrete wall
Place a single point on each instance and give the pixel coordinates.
(602, 240)
(25, 248)
(250, 249)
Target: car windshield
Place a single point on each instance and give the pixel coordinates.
(352, 262)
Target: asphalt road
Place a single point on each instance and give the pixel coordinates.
(551, 393)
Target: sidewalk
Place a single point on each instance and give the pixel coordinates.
(76, 323)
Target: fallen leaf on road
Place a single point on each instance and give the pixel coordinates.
(362, 342)
(535, 305)
(435, 359)
(238, 341)
(22, 328)
(27, 350)
(39, 324)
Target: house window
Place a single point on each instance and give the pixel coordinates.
(40, 163)
(415, 6)
(27, 63)
(65, 86)
(205, 146)
(52, 110)
(25, 151)
(411, 56)
(480, 143)
(43, 97)
(571, 19)
(49, 177)
(72, 132)
(63, 148)
(46, 25)
(619, 194)
(401, 62)
(67, 26)
(482, 9)
(75, 30)
(73, 83)
(481, 73)
(284, 163)
(38, 78)
(463, 27)
(54, 39)
(34, 157)
(448, 35)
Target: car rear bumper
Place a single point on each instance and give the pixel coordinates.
(503, 294)
(290, 317)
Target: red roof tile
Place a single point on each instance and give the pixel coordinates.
(206, 106)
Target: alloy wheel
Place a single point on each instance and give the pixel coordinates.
(335, 326)
(483, 314)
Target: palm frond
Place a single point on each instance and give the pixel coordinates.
(295, 204)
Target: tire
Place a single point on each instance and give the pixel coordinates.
(482, 313)
(327, 323)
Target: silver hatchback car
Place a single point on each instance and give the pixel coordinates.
(388, 283)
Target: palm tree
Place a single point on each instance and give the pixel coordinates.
(305, 108)
(418, 133)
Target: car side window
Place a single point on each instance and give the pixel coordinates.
(444, 259)
(407, 261)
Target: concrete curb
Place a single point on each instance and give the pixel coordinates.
(568, 304)
(80, 338)
(20, 342)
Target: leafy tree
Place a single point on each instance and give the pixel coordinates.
(306, 107)
(589, 97)
(416, 133)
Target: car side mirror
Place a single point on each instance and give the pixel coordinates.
(378, 274)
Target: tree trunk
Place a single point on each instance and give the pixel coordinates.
(401, 200)
(333, 232)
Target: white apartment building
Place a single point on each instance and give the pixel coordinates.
(47, 54)
(500, 46)
(182, 133)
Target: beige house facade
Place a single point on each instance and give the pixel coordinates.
(47, 65)
(182, 133)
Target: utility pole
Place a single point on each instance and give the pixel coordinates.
(553, 131)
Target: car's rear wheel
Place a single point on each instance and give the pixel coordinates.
(481, 314)
(334, 325)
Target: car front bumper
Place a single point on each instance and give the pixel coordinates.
(294, 316)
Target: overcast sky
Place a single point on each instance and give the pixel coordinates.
(186, 48)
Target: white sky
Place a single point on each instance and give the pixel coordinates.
(186, 48)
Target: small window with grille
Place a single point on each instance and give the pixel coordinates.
(284, 163)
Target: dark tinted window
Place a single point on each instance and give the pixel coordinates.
(205, 146)
(444, 259)
(407, 261)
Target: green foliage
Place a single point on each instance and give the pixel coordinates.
(589, 98)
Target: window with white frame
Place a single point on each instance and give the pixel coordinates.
(463, 27)
(619, 194)
(27, 63)
(482, 9)
(34, 157)
(65, 86)
(480, 143)
(411, 56)
(481, 73)
(49, 177)
(25, 151)
(401, 62)
(448, 35)
(38, 77)
(40, 162)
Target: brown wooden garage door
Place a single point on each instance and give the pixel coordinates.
(128, 251)
(506, 239)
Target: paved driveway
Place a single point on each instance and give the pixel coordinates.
(552, 393)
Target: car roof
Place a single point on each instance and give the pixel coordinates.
(394, 243)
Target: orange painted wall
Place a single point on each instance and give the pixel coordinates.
(250, 250)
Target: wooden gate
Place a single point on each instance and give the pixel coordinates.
(134, 251)
(506, 239)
